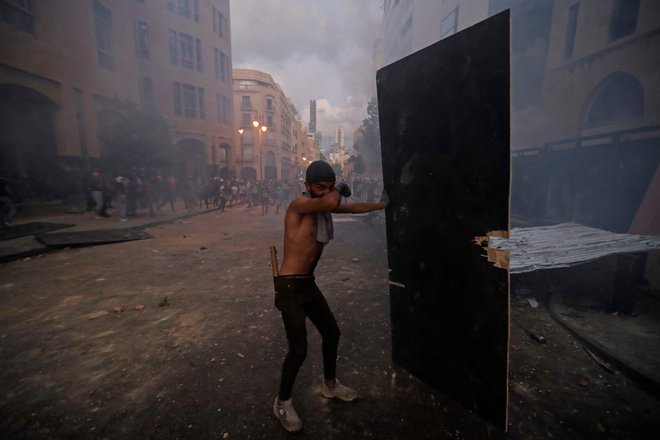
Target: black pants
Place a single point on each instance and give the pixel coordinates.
(298, 298)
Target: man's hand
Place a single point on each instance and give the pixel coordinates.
(343, 189)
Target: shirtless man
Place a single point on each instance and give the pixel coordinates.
(307, 229)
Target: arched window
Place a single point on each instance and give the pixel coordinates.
(224, 152)
(619, 97)
(270, 159)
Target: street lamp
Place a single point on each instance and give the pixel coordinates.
(304, 167)
(262, 130)
(240, 132)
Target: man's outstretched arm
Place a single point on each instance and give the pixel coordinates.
(306, 205)
(359, 207)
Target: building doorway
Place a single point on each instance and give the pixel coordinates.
(28, 146)
(193, 158)
(248, 173)
(270, 170)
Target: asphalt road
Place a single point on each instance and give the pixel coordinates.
(176, 337)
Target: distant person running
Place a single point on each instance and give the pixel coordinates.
(307, 229)
(280, 198)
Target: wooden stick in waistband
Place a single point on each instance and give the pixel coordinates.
(273, 261)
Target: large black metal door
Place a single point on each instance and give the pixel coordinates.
(444, 121)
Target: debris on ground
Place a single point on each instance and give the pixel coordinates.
(97, 315)
(605, 365)
(537, 337)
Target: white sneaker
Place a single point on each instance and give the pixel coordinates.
(287, 415)
(340, 391)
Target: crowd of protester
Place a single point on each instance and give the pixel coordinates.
(148, 193)
(137, 191)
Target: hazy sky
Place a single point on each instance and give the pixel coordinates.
(314, 49)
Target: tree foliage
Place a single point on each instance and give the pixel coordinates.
(358, 164)
(133, 138)
(337, 168)
(368, 146)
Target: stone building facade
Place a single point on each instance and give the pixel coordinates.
(273, 143)
(65, 67)
(585, 107)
